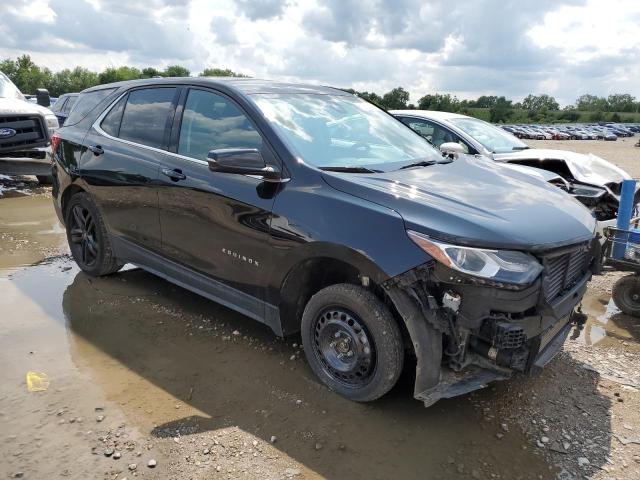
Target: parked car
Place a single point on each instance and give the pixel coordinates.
(25, 130)
(64, 105)
(313, 211)
(590, 179)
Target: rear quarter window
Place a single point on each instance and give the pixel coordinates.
(85, 103)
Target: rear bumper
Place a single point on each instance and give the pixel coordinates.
(35, 161)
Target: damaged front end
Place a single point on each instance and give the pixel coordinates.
(467, 331)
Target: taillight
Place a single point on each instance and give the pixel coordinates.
(55, 140)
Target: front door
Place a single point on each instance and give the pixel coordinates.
(216, 224)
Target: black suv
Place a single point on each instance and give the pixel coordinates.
(310, 210)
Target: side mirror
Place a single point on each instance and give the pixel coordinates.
(243, 161)
(42, 97)
(452, 149)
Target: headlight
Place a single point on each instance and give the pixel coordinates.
(505, 266)
(52, 123)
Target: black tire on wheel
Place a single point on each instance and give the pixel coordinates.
(88, 237)
(352, 342)
(45, 179)
(626, 295)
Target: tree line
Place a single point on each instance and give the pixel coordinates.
(28, 76)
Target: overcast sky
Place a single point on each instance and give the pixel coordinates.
(505, 47)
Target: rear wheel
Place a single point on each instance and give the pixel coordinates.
(626, 295)
(88, 238)
(352, 342)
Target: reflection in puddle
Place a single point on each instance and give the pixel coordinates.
(606, 324)
(149, 346)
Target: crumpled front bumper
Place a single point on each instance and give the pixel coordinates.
(546, 325)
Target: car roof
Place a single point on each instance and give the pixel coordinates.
(246, 86)
(432, 114)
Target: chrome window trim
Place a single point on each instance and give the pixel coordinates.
(97, 128)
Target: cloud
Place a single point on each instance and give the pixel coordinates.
(261, 9)
(472, 48)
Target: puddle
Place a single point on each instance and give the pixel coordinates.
(606, 324)
(171, 362)
(29, 229)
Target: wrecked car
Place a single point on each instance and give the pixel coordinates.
(316, 213)
(592, 180)
(25, 130)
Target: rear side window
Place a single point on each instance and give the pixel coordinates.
(111, 122)
(69, 104)
(211, 121)
(59, 105)
(87, 102)
(145, 116)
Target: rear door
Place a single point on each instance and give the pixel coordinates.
(216, 223)
(124, 150)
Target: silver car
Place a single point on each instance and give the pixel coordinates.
(590, 179)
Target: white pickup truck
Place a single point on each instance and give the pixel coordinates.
(25, 133)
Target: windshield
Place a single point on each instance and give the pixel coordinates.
(8, 89)
(344, 132)
(491, 137)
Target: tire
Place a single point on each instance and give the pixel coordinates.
(352, 342)
(626, 295)
(45, 179)
(88, 238)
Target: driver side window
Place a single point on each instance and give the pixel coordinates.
(434, 133)
(210, 122)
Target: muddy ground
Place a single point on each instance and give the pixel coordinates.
(142, 373)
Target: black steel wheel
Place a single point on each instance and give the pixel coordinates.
(626, 295)
(352, 342)
(343, 346)
(88, 239)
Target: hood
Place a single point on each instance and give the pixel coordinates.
(585, 168)
(475, 202)
(22, 107)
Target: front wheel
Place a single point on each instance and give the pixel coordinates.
(352, 342)
(626, 295)
(88, 238)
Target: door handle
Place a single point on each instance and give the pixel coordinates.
(96, 149)
(174, 175)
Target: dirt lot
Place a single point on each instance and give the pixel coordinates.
(148, 380)
(622, 152)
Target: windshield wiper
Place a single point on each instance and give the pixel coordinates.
(521, 148)
(351, 169)
(425, 163)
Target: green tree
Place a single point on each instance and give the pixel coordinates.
(596, 116)
(501, 110)
(592, 103)
(371, 97)
(150, 72)
(26, 75)
(395, 99)
(538, 102)
(175, 71)
(76, 80)
(621, 102)
(225, 72)
(439, 101)
(113, 74)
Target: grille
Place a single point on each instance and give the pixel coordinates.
(29, 132)
(508, 336)
(561, 272)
